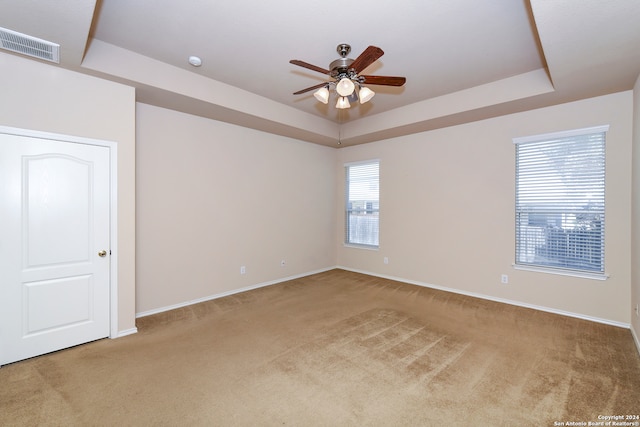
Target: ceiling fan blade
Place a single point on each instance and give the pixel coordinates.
(366, 58)
(309, 66)
(311, 88)
(384, 80)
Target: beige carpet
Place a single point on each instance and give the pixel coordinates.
(334, 349)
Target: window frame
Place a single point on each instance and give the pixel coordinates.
(561, 270)
(348, 212)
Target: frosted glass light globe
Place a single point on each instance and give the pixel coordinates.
(345, 87)
(322, 95)
(366, 94)
(342, 103)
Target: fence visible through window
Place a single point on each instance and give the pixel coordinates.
(363, 227)
(578, 245)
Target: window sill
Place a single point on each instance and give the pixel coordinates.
(571, 273)
(356, 246)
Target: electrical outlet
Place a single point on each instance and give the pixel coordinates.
(386, 260)
(504, 278)
(243, 269)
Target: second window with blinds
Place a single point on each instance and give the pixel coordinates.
(362, 213)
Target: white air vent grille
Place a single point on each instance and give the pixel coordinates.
(31, 46)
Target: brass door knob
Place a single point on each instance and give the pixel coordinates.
(102, 253)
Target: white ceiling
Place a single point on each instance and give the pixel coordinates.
(463, 59)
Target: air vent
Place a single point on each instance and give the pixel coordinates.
(31, 46)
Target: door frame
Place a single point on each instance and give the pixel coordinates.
(113, 206)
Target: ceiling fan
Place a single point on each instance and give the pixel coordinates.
(345, 72)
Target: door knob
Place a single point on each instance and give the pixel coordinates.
(102, 253)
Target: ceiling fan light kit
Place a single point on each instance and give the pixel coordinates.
(345, 72)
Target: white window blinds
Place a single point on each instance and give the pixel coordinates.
(560, 200)
(362, 203)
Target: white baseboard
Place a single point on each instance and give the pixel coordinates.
(227, 293)
(125, 333)
(501, 300)
(399, 279)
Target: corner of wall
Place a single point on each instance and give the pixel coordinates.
(634, 297)
(635, 338)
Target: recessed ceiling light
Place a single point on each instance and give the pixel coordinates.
(195, 61)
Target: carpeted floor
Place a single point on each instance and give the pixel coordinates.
(335, 349)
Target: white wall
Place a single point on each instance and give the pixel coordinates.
(47, 98)
(213, 197)
(635, 229)
(447, 209)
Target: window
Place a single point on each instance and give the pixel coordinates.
(362, 204)
(560, 201)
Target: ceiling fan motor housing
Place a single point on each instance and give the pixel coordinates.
(340, 66)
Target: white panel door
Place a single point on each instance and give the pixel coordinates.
(54, 245)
